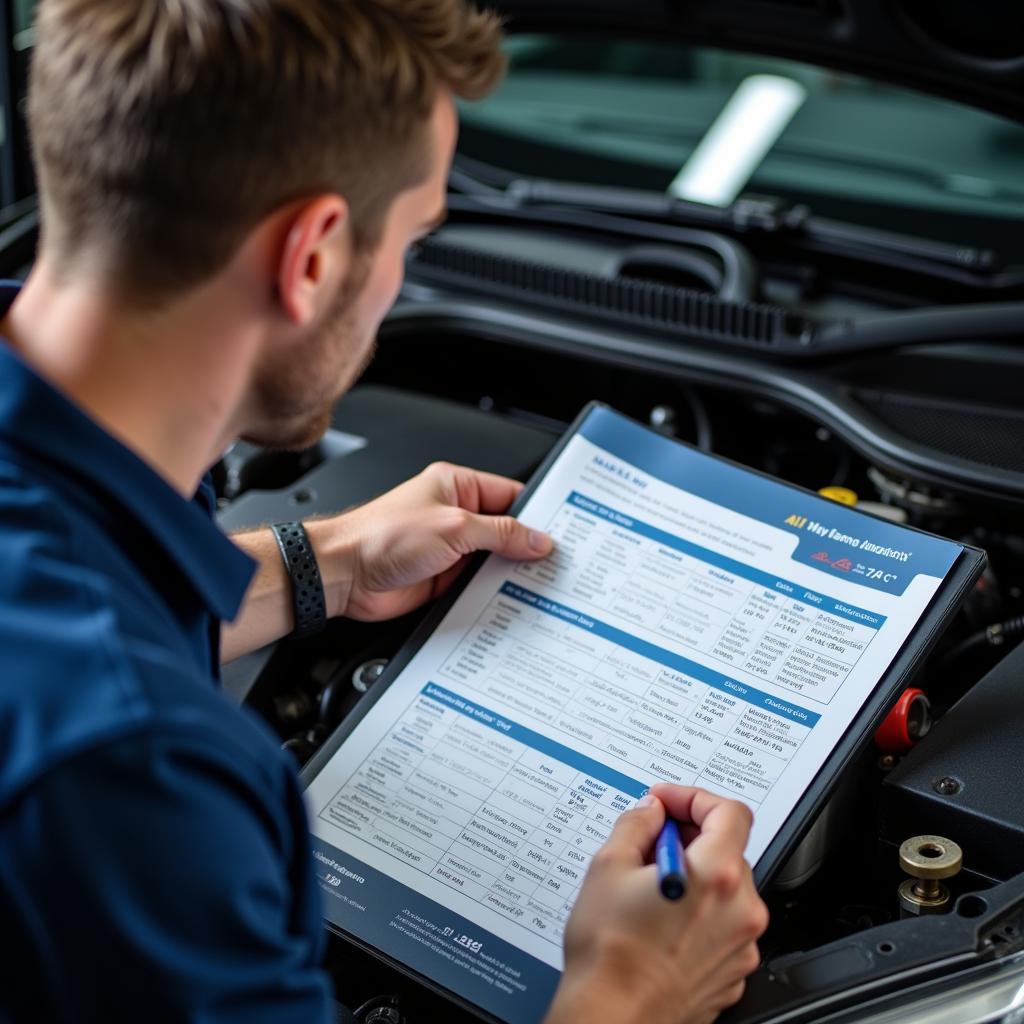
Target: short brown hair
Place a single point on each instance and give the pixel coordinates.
(164, 130)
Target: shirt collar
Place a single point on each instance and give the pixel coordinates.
(35, 417)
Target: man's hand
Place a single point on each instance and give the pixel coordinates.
(633, 956)
(391, 555)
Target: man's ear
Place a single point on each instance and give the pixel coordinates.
(315, 258)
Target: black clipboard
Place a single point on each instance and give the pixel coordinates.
(943, 606)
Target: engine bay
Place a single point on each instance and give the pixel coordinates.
(456, 381)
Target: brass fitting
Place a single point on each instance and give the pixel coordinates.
(928, 860)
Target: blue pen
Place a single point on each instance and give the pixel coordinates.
(668, 855)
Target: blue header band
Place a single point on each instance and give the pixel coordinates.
(733, 687)
(833, 538)
(566, 755)
(729, 565)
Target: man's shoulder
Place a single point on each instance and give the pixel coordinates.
(80, 665)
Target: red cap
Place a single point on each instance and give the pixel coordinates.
(907, 723)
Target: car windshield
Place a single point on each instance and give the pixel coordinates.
(632, 113)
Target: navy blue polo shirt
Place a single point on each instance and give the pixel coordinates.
(154, 859)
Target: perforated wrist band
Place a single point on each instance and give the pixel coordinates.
(308, 598)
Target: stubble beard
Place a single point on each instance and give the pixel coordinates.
(296, 395)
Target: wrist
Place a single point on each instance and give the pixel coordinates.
(335, 550)
(588, 998)
(597, 984)
(614, 977)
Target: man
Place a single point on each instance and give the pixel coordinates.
(228, 189)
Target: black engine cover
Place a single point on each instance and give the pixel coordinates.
(979, 744)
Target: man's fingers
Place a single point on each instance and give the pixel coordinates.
(475, 490)
(726, 821)
(724, 824)
(716, 861)
(496, 492)
(702, 813)
(678, 800)
(504, 536)
(715, 830)
(480, 498)
(633, 836)
(693, 804)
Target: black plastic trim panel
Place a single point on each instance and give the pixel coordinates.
(810, 393)
(643, 304)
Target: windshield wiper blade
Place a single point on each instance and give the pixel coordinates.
(750, 215)
(761, 214)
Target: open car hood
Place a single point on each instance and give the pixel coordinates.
(967, 50)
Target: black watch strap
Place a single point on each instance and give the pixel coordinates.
(308, 599)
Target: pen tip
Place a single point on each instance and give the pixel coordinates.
(672, 887)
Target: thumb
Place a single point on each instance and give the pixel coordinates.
(505, 536)
(635, 831)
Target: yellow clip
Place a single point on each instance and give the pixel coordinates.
(843, 495)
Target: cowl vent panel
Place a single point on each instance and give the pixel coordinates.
(690, 313)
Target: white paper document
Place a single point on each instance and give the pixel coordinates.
(696, 623)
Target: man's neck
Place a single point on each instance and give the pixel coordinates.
(168, 385)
